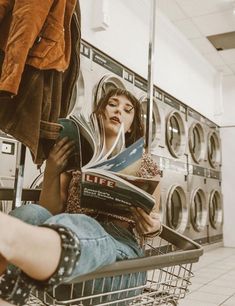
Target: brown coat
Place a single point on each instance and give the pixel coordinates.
(44, 95)
(36, 33)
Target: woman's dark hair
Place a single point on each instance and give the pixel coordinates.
(137, 129)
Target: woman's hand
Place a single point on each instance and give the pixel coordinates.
(58, 156)
(146, 224)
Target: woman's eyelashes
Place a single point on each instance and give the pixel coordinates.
(127, 109)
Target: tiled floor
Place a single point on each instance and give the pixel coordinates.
(214, 281)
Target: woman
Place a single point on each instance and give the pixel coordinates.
(70, 241)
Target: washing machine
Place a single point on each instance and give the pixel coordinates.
(175, 129)
(82, 96)
(213, 147)
(105, 74)
(215, 207)
(98, 74)
(8, 154)
(174, 195)
(197, 139)
(158, 120)
(197, 228)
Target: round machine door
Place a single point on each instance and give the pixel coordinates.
(215, 209)
(107, 83)
(177, 211)
(197, 142)
(156, 119)
(175, 134)
(214, 149)
(78, 97)
(199, 209)
(36, 184)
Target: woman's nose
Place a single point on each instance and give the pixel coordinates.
(118, 109)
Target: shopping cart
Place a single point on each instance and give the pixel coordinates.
(166, 270)
(162, 277)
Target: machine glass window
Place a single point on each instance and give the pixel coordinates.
(214, 207)
(196, 143)
(174, 133)
(176, 209)
(198, 209)
(214, 150)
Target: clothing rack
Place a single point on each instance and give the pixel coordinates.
(19, 175)
(151, 49)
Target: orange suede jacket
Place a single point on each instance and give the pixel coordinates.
(36, 33)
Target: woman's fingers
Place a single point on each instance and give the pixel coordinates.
(146, 223)
(60, 154)
(64, 147)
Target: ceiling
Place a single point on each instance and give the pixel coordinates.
(197, 19)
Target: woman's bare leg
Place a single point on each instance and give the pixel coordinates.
(35, 250)
(3, 303)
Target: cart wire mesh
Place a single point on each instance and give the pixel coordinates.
(161, 277)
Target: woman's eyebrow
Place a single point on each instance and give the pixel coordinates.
(114, 99)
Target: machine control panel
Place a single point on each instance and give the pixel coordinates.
(8, 147)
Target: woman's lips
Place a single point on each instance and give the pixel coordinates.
(115, 120)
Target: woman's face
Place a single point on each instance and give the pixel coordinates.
(118, 110)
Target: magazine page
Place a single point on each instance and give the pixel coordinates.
(127, 159)
(117, 147)
(87, 139)
(69, 129)
(102, 190)
(98, 125)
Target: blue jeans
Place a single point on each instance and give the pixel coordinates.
(100, 243)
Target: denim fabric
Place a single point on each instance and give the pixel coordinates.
(100, 244)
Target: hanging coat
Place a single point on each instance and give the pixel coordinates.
(39, 66)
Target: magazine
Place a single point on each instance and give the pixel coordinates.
(109, 180)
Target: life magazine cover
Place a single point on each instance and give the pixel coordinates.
(108, 181)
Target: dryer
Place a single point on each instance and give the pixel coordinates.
(158, 120)
(197, 139)
(197, 228)
(106, 73)
(215, 207)
(175, 130)
(98, 74)
(174, 195)
(8, 154)
(82, 95)
(213, 147)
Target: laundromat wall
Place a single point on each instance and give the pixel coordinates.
(185, 144)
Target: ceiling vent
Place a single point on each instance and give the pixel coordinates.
(223, 41)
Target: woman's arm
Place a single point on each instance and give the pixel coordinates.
(56, 182)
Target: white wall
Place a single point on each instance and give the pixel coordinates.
(179, 68)
(227, 121)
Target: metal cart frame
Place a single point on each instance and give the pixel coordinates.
(168, 266)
